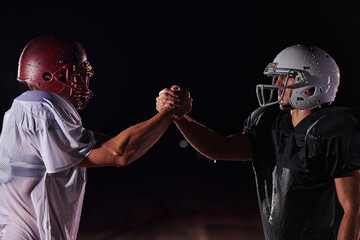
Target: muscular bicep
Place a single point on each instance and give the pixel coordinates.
(348, 190)
(236, 147)
(100, 155)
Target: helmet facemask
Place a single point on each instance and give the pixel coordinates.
(76, 78)
(266, 93)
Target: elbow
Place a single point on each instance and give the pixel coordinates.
(229, 156)
(213, 157)
(352, 210)
(118, 156)
(122, 160)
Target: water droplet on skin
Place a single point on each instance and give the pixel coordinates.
(183, 144)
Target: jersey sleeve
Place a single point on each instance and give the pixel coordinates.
(59, 137)
(340, 143)
(342, 154)
(63, 145)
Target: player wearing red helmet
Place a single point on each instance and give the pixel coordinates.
(56, 64)
(44, 149)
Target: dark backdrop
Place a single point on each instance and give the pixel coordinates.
(216, 49)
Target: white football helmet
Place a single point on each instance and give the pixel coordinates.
(311, 67)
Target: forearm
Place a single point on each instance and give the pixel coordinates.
(203, 139)
(128, 145)
(350, 226)
(135, 141)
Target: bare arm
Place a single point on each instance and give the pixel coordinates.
(204, 140)
(207, 142)
(348, 191)
(130, 144)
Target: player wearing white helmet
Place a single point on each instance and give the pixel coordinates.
(310, 72)
(305, 153)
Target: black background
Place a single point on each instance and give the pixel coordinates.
(215, 49)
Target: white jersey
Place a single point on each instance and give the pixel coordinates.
(41, 190)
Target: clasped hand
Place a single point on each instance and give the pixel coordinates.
(174, 99)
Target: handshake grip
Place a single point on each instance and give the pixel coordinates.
(174, 99)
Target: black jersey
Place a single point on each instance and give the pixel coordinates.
(295, 169)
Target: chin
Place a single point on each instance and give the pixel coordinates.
(286, 107)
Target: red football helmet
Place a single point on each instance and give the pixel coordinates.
(53, 63)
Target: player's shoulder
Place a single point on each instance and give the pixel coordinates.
(335, 121)
(38, 96)
(44, 104)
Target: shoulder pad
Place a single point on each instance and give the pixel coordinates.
(337, 121)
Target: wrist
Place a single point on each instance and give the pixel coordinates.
(178, 121)
(168, 113)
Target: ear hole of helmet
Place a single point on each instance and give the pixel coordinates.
(47, 76)
(310, 91)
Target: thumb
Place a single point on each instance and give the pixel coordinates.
(175, 88)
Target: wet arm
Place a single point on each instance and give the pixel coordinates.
(348, 191)
(207, 142)
(130, 144)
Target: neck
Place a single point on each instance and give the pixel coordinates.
(298, 115)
